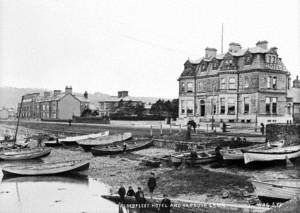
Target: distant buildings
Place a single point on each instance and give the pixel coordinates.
(56, 105)
(294, 95)
(110, 105)
(7, 113)
(241, 86)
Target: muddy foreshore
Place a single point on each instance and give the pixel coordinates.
(186, 183)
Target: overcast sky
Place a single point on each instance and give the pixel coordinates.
(134, 45)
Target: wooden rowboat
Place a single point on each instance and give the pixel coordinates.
(113, 150)
(47, 168)
(75, 139)
(237, 153)
(277, 190)
(271, 153)
(104, 141)
(24, 154)
(202, 158)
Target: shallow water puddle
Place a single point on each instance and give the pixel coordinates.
(54, 194)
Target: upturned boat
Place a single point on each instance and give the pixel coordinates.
(118, 149)
(47, 168)
(271, 153)
(75, 139)
(202, 158)
(277, 190)
(104, 141)
(24, 154)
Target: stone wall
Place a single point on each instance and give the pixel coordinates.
(290, 133)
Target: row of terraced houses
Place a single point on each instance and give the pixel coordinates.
(55, 105)
(241, 86)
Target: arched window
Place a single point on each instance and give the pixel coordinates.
(202, 108)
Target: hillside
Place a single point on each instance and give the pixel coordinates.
(10, 96)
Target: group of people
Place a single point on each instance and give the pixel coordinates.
(140, 197)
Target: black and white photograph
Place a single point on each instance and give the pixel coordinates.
(139, 106)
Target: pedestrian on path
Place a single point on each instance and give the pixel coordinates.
(151, 184)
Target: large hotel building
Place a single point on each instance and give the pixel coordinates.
(241, 86)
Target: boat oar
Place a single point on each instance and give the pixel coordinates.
(288, 162)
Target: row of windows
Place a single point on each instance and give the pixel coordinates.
(272, 83)
(187, 106)
(270, 106)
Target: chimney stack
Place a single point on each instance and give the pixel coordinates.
(56, 92)
(234, 47)
(210, 52)
(122, 94)
(46, 94)
(68, 90)
(85, 95)
(262, 44)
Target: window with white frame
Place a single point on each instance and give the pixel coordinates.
(231, 106)
(246, 105)
(222, 105)
(190, 107)
(269, 81)
(190, 87)
(232, 83)
(223, 83)
(182, 107)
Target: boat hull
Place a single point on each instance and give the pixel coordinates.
(275, 192)
(46, 169)
(75, 139)
(104, 141)
(232, 154)
(99, 151)
(185, 158)
(272, 154)
(24, 155)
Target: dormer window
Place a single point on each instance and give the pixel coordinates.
(248, 59)
(203, 66)
(215, 64)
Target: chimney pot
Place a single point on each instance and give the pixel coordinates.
(234, 47)
(68, 90)
(262, 44)
(122, 94)
(210, 52)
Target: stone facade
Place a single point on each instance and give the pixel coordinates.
(241, 86)
(294, 98)
(57, 105)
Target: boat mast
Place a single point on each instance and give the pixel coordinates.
(19, 114)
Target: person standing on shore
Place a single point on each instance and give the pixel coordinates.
(262, 128)
(151, 184)
(165, 205)
(122, 193)
(130, 192)
(139, 196)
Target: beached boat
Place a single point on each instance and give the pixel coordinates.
(277, 190)
(237, 153)
(271, 153)
(75, 139)
(202, 158)
(118, 149)
(104, 141)
(47, 168)
(24, 154)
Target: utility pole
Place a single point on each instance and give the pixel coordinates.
(222, 35)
